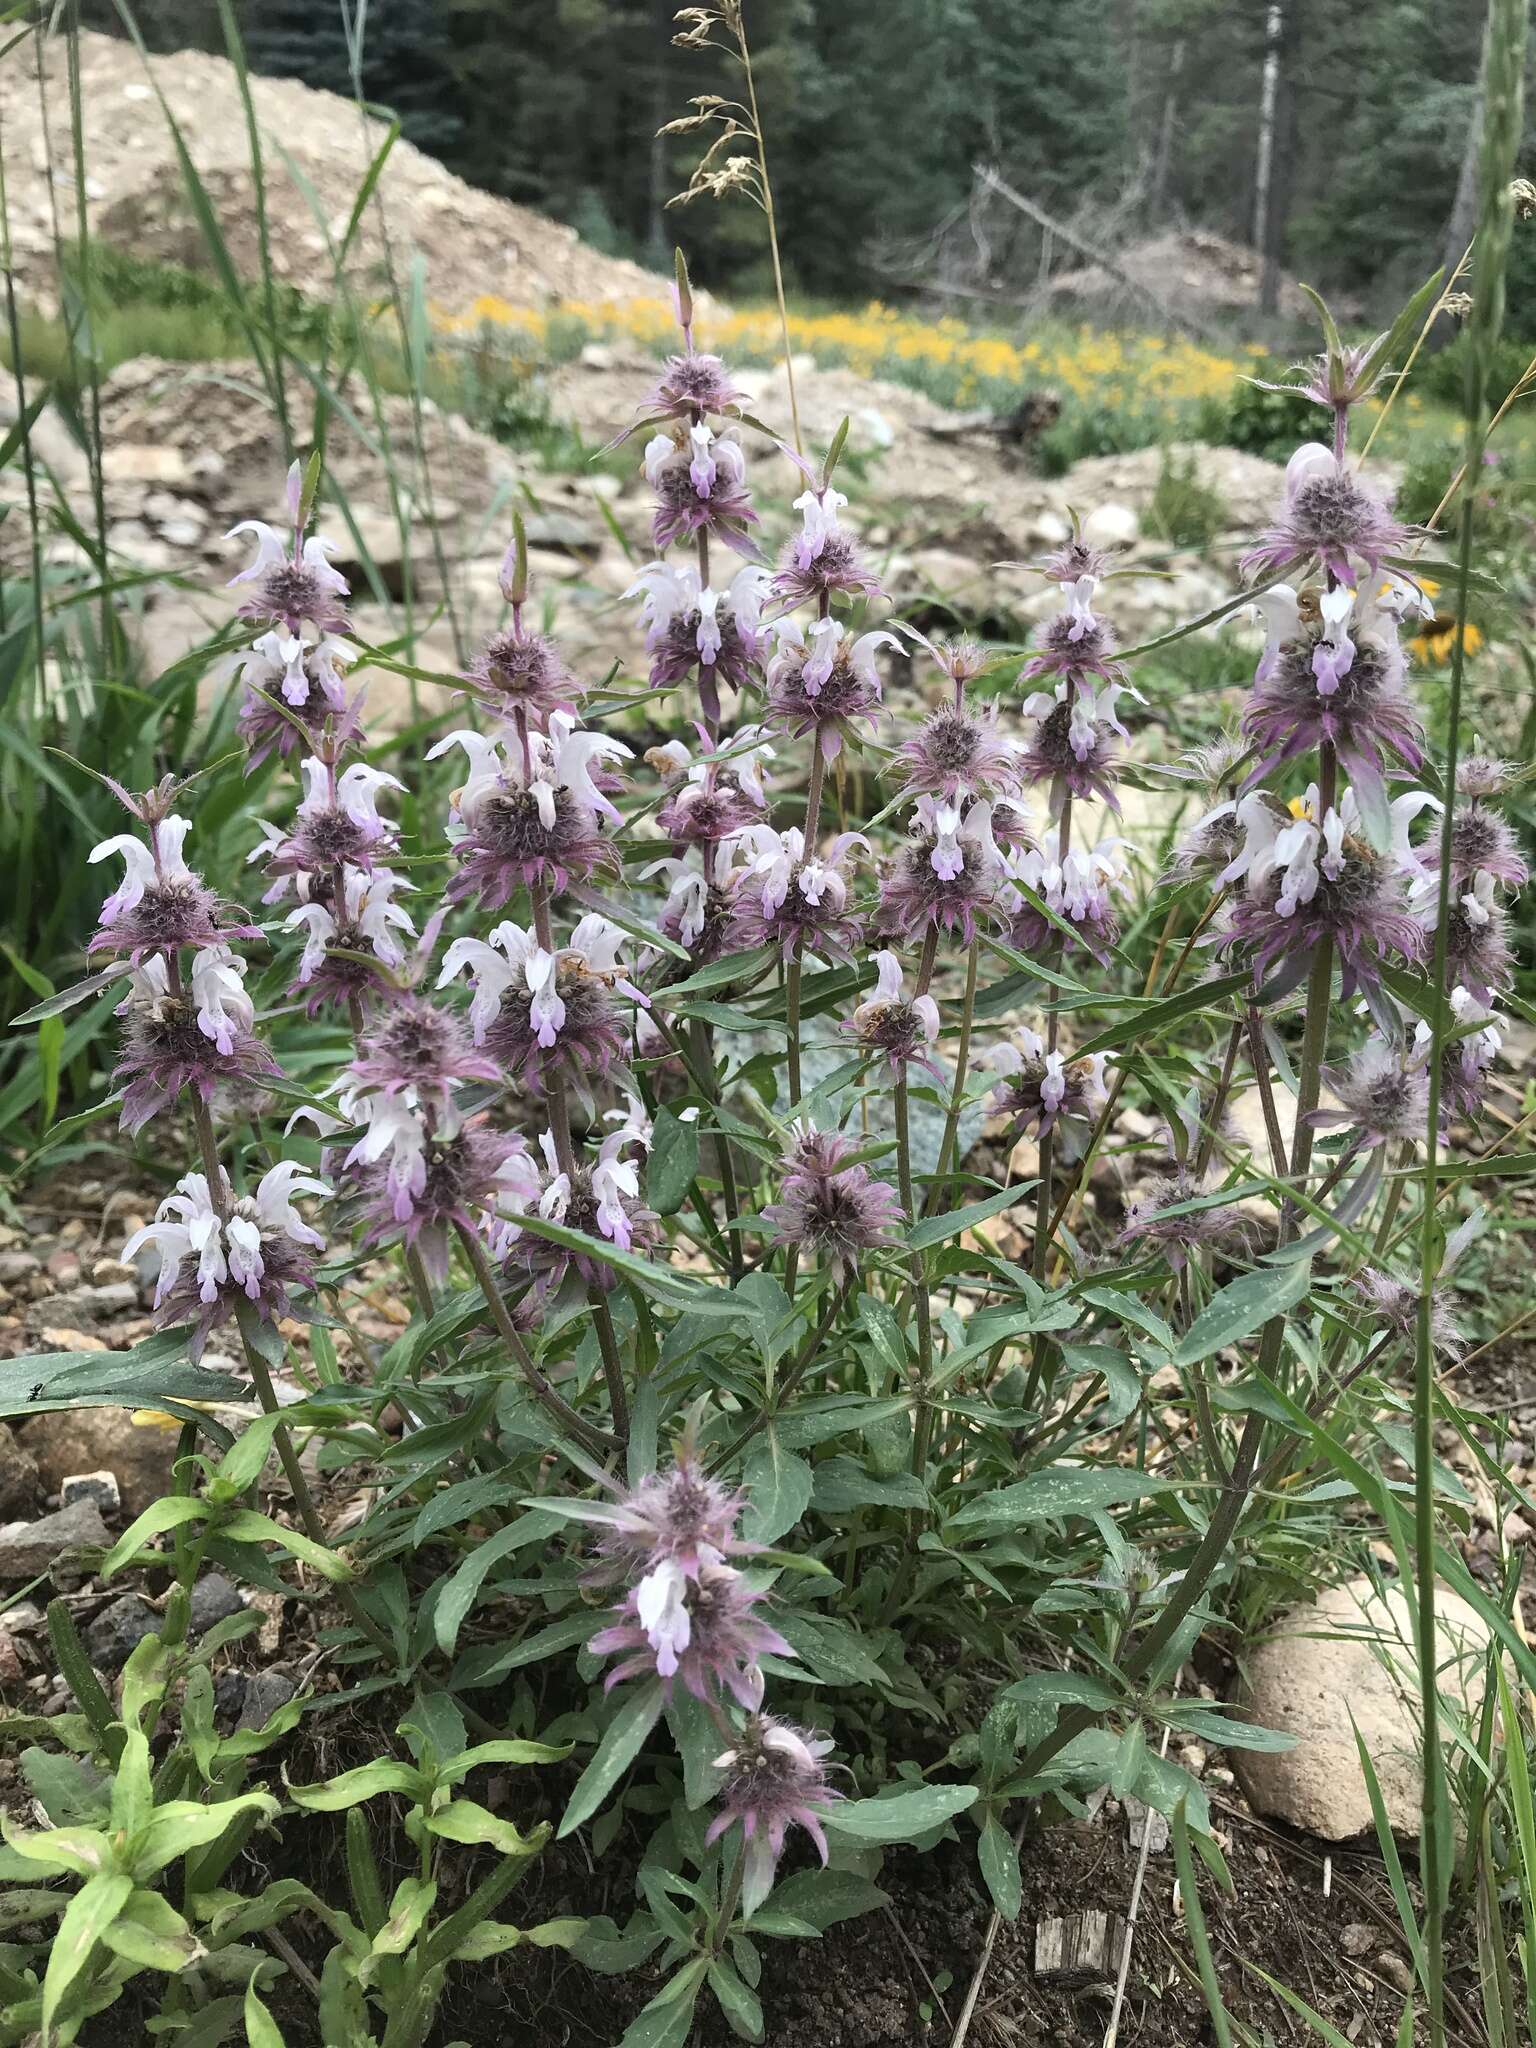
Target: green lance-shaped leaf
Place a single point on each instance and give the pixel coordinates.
(86, 1919)
(1241, 1307)
(261, 2030)
(622, 1742)
(364, 1781)
(903, 1816)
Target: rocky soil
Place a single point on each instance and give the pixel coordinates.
(191, 450)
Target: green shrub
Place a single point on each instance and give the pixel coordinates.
(1184, 511)
(1268, 423)
(1441, 378)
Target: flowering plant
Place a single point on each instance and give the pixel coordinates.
(694, 1094)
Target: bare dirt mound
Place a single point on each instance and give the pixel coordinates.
(471, 242)
(1194, 269)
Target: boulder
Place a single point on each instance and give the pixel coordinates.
(1350, 1654)
(1111, 526)
(103, 1440)
(19, 1481)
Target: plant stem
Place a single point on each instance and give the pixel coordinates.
(613, 1364)
(1434, 1850)
(804, 1359)
(773, 226)
(792, 973)
(1219, 1100)
(935, 1197)
(703, 1064)
(923, 1421)
(589, 1432)
(1258, 1053)
(1237, 1481)
(730, 1898)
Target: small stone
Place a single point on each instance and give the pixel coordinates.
(1517, 1529)
(229, 1689)
(145, 463)
(30, 1548)
(1396, 1972)
(71, 1340)
(114, 1634)
(16, 1266)
(113, 1272)
(20, 1615)
(213, 1599)
(101, 1487)
(1145, 1824)
(265, 1692)
(83, 1305)
(1357, 1938)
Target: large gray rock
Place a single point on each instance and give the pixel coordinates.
(28, 1548)
(1351, 1655)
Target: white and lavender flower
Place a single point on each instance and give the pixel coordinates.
(897, 1028)
(1329, 519)
(547, 1016)
(160, 904)
(787, 898)
(775, 1779)
(947, 877)
(1076, 886)
(601, 1199)
(1073, 746)
(831, 1206)
(337, 825)
(823, 560)
(293, 585)
(295, 685)
(700, 481)
(534, 814)
(1077, 643)
(216, 1255)
(823, 685)
(1040, 1088)
(702, 1628)
(717, 794)
(177, 1037)
(1337, 682)
(419, 1176)
(717, 635)
(1309, 879)
(1467, 1057)
(350, 949)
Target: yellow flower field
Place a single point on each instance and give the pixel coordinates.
(943, 357)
